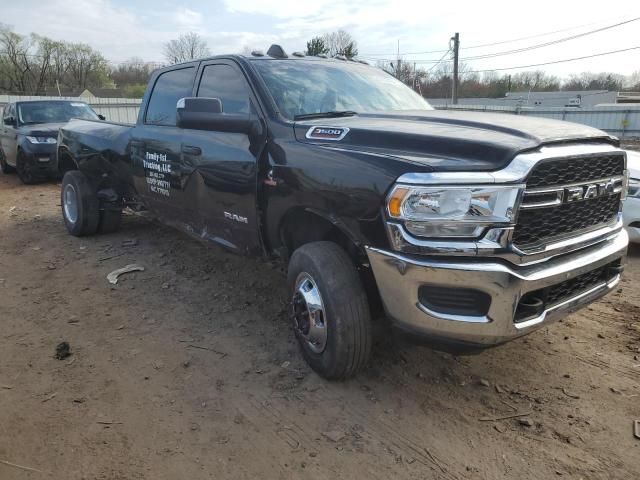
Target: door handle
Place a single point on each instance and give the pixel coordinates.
(191, 150)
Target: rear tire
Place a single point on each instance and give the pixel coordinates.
(79, 202)
(330, 310)
(25, 173)
(4, 166)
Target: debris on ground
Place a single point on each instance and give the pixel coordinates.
(334, 435)
(21, 467)
(50, 397)
(129, 242)
(504, 417)
(113, 276)
(63, 350)
(569, 394)
(526, 422)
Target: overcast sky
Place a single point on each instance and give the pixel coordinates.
(121, 29)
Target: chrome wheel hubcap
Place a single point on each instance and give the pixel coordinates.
(309, 314)
(70, 203)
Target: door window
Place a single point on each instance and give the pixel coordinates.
(170, 87)
(227, 84)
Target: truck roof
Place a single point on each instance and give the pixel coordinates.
(275, 52)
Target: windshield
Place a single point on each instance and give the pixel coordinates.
(302, 87)
(53, 112)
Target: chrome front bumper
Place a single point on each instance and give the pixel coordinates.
(399, 277)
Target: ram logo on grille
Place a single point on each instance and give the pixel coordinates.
(550, 197)
(593, 190)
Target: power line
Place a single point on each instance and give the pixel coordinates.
(531, 36)
(491, 44)
(556, 61)
(440, 61)
(553, 42)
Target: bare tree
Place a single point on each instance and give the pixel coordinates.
(632, 82)
(594, 81)
(14, 61)
(340, 43)
(37, 65)
(134, 71)
(186, 47)
(86, 67)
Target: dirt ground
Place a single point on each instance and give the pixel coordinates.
(189, 370)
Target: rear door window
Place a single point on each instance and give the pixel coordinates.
(170, 87)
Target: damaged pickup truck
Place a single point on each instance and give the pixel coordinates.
(468, 229)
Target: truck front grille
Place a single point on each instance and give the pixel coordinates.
(538, 226)
(574, 170)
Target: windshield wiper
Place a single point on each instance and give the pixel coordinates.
(331, 114)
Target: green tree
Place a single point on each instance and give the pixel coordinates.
(350, 50)
(316, 46)
(135, 91)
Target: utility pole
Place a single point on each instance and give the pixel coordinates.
(398, 62)
(456, 48)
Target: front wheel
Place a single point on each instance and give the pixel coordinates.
(330, 311)
(80, 206)
(25, 171)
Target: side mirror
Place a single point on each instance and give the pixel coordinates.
(207, 114)
(10, 121)
(101, 117)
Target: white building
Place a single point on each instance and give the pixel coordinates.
(560, 99)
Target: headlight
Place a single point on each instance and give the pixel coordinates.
(453, 211)
(634, 188)
(42, 139)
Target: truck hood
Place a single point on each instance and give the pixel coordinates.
(449, 140)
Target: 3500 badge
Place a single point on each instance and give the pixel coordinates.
(327, 133)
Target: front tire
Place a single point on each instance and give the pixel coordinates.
(330, 311)
(25, 172)
(80, 207)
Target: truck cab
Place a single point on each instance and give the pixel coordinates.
(469, 229)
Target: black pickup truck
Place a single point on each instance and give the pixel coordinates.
(469, 229)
